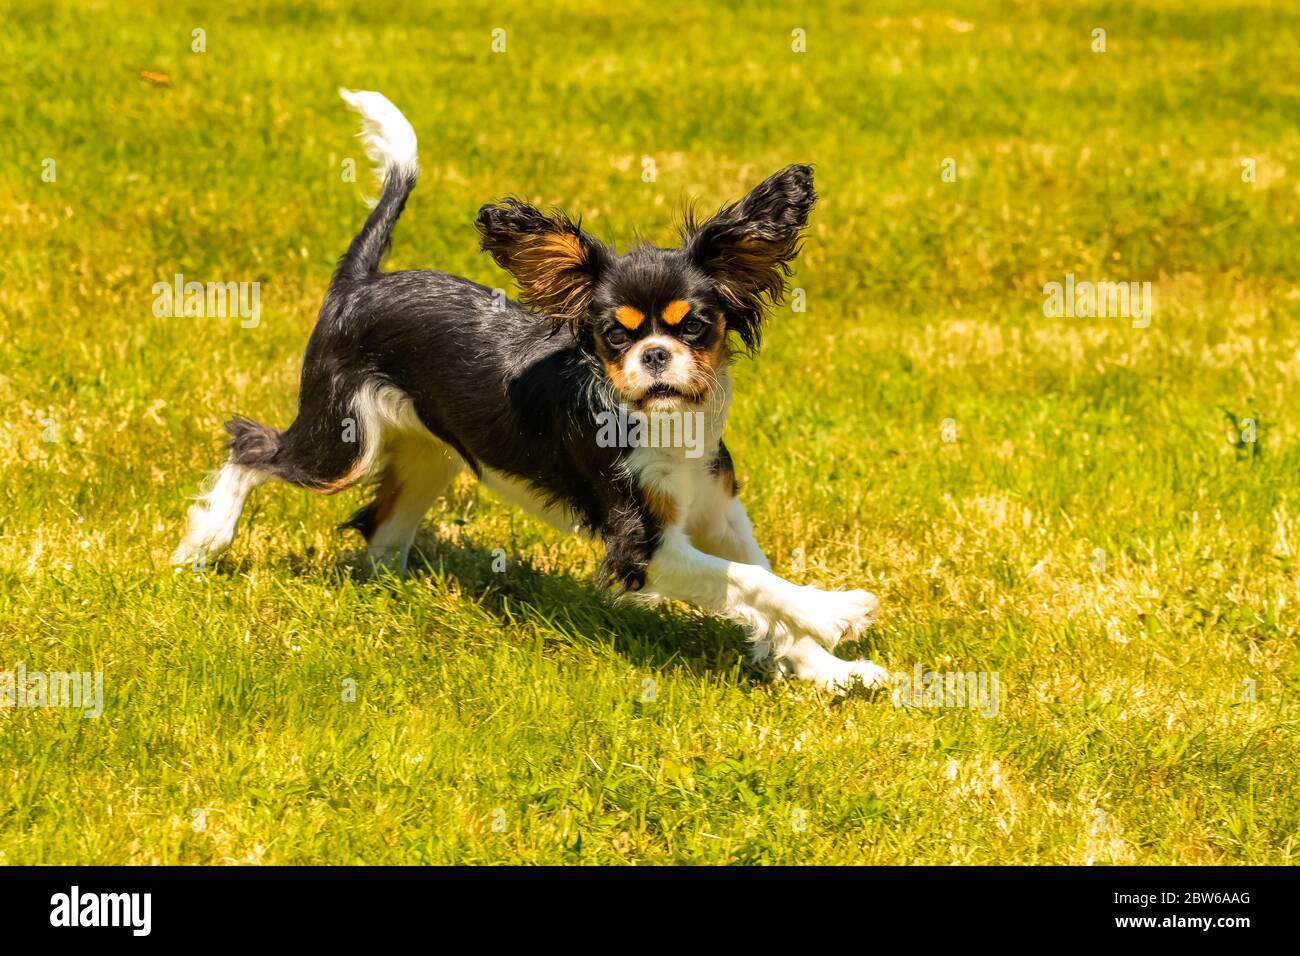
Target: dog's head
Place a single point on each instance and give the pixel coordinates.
(658, 319)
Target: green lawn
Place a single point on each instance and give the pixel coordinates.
(1097, 532)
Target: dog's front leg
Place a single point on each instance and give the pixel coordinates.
(794, 624)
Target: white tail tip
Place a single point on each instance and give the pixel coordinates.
(388, 138)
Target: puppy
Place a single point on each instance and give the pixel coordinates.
(410, 377)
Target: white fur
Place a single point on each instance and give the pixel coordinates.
(422, 469)
(213, 519)
(520, 494)
(394, 437)
(720, 525)
(386, 134)
(396, 447)
(678, 373)
(383, 414)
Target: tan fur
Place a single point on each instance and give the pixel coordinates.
(662, 505)
(548, 266)
(727, 478)
(629, 317)
(676, 311)
(390, 489)
(615, 372)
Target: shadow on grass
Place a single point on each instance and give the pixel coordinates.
(659, 637)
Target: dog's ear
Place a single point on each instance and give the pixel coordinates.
(555, 262)
(747, 247)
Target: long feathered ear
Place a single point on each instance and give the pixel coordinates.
(555, 262)
(747, 247)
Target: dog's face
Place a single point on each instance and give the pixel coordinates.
(658, 319)
(658, 327)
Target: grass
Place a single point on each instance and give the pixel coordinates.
(1097, 533)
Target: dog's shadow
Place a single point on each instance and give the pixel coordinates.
(662, 637)
(656, 637)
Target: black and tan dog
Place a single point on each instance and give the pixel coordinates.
(411, 376)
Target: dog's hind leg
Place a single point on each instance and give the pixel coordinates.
(319, 452)
(417, 470)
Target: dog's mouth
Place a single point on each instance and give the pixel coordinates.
(662, 393)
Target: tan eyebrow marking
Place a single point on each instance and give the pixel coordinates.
(629, 317)
(676, 311)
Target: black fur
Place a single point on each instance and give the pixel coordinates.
(365, 520)
(371, 243)
(748, 246)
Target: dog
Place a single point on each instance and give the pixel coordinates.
(410, 377)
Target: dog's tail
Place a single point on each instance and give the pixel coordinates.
(252, 444)
(389, 142)
(278, 454)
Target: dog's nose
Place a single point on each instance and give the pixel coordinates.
(655, 360)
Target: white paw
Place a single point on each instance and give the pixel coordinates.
(832, 674)
(204, 539)
(840, 680)
(864, 672)
(832, 616)
(197, 555)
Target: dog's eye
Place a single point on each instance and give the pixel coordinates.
(615, 335)
(693, 327)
